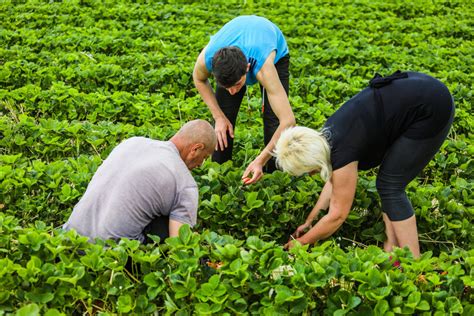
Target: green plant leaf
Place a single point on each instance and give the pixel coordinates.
(124, 303)
(29, 310)
(185, 234)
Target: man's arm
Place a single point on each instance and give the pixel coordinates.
(174, 228)
(268, 77)
(200, 78)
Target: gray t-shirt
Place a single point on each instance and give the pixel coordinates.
(140, 180)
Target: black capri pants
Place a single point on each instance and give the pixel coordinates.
(159, 226)
(230, 105)
(403, 161)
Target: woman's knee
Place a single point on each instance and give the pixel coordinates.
(389, 185)
(394, 199)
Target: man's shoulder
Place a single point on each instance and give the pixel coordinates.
(148, 144)
(166, 159)
(149, 155)
(136, 141)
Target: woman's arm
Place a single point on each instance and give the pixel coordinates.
(321, 204)
(344, 183)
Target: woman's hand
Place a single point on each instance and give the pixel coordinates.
(222, 126)
(301, 230)
(291, 243)
(255, 169)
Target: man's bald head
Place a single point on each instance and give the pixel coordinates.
(198, 131)
(195, 141)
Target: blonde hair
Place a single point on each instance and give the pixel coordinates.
(301, 149)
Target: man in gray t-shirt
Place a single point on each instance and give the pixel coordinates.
(144, 181)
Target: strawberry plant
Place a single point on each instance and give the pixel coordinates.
(78, 77)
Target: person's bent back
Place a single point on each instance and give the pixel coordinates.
(142, 181)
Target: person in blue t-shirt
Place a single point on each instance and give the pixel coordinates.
(247, 50)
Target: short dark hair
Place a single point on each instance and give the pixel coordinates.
(228, 66)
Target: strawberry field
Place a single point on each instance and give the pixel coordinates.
(78, 77)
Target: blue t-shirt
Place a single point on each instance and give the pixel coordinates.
(257, 37)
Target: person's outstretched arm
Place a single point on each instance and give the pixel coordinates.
(201, 81)
(268, 77)
(321, 204)
(344, 183)
(174, 228)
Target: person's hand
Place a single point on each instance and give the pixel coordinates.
(301, 230)
(255, 169)
(291, 243)
(222, 126)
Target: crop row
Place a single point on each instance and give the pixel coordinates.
(302, 19)
(144, 48)
(51, 139)
(270, 209)
(60, 273)
(154, 71)
(313, 99)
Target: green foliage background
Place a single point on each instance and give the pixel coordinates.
(77, 77)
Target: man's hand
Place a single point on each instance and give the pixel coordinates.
(255, 169)
(301, 230)
(222, 126)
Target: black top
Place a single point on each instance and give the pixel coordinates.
(364, 127)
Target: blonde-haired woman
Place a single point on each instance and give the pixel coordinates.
(398, 123)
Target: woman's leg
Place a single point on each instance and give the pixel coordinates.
(403, 161)
(401, 233)
(407, 234)
(230, 105)
(392, 240)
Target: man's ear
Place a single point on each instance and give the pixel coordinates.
(196, 147)
(248, 67)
